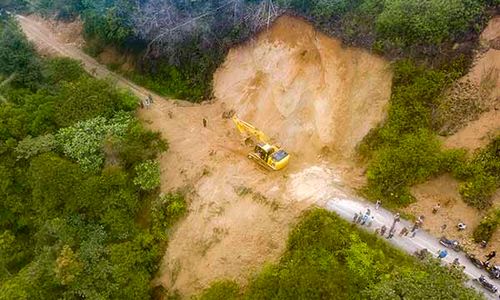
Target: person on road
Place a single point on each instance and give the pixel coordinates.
(383, 230)
(490, 255)
(403, 232)
(370, 221)
(442, 253)
(360, 217)
(415, 226)
(377, 204)
(414, 232)
(355, 219)
(391, 233)
(397, 217)
(365, 219)
(456, 262)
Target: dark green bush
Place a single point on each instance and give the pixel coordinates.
(17, 56)
(481, 176)
(404, 150)
(57, 70)
(393, 169)
(165, 211)
(489, 224)
(409, 23)
(88, 98)
(227, 290)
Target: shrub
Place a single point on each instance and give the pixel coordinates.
(17, 56)
(138, 145)
(84, 141)
(30, 147)
(484, 231)
(429, 22)
(481, 176)
(165, 211)
(226, 289)
(63, 69)
(88, 98)
(393, 169)
(147, 175)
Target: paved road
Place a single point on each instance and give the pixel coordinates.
(346, 206)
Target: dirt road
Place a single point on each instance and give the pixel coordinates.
(239, 216)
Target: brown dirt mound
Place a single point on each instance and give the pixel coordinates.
(304, 88)
(473, 112)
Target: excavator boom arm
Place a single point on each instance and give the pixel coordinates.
(250, 130)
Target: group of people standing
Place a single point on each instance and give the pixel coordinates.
(367, 218)
(364, 218)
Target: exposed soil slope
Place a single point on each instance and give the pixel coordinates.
(304, 88)
(476, 130)
(473, 134)
(239, 215)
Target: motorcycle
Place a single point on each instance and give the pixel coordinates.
(475, 261)
(494, 272)
(452, 244)
(486, 284)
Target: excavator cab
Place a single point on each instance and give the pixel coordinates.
(265, 154)
(262, 151)
(269, 156)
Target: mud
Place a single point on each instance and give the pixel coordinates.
(305, 89)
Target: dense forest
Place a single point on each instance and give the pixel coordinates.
(80, 212)
(327, 258)
(81, 215)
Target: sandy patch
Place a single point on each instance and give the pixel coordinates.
(66, 32)
(444, 190)
(485, 77)
(305, 89)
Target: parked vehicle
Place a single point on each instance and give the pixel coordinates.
(494, 272)
(452, 244)
(486, 284)
(475, 261)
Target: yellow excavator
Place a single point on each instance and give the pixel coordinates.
(269, 156)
